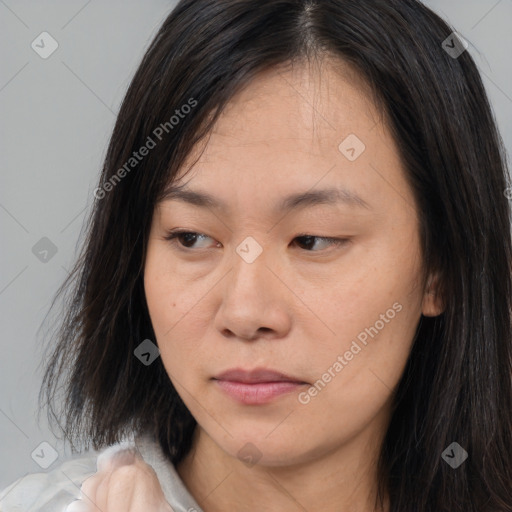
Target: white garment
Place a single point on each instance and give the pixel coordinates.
(55, 490)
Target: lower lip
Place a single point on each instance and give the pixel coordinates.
(258, 393)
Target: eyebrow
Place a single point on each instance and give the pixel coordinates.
(300, 200)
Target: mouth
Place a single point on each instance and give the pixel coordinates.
(257, 386)
(257, 376)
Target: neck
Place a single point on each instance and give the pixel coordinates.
(342, 479)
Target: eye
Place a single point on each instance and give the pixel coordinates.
(309, 240)
(186, 239)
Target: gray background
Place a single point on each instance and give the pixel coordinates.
(56, 118)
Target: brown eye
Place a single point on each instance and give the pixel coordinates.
(186, 239)
(309, 240)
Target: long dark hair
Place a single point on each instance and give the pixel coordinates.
(457, 385)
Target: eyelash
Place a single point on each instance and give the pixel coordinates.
(173, 236)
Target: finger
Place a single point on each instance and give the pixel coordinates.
(89, 490)
(116, 479)
(115, 494)
(131, 490)
(124, 483)
(95, 488)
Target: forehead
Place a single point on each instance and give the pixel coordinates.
(304, 108)
(287, 130)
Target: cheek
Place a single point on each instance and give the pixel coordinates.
(160, 290)
(175, 313)
(372, 317)
(355, 375)
(165, 290)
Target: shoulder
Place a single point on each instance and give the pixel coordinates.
(53, 490)
(56, 488)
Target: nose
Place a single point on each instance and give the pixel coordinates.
(254, 300)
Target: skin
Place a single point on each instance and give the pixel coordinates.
(124, 483)
(298, 305)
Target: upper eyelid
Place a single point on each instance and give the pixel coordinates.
(174, 234)
(300, 235)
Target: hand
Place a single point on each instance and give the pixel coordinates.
(123, 483)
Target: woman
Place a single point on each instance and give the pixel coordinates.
(340, 339)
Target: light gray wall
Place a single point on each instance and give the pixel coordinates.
(56, 117)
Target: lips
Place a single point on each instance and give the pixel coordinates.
(257, 387)
(257, 375)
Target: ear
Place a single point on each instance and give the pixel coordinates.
(432, 304)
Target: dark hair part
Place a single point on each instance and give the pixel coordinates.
(457, 385)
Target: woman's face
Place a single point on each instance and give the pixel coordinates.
(262, 286)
